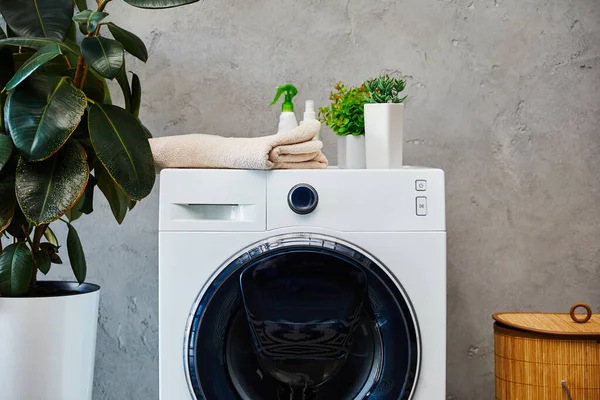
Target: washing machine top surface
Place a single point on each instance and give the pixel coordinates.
(407, 199)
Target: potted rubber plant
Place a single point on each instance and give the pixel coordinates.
(345, 117)
(60, 139)
(384, 122)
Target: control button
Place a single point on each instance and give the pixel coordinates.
(303, 199)
(421, 206)
(421, 185)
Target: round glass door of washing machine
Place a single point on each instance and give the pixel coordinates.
(302, 317)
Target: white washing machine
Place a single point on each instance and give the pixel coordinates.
(314, 285)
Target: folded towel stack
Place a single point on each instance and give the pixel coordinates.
(290, 150)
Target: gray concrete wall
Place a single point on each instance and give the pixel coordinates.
(504, 96)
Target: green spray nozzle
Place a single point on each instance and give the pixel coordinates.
(290, 91)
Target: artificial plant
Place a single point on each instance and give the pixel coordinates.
(385, 89)
(345, 115)
(60, 134)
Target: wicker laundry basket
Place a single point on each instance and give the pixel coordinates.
(543, 356)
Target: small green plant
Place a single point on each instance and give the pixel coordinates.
(345, 116)
(385, 89)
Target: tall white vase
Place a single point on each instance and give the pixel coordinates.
(384, 131)
(48, 345)
(351, 152)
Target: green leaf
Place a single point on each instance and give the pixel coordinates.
(76, 254)
(114, 195)
(147, 132)
(42, 261)
(50, 236)
(132, 44)
(6, 148)
(159, 3)
(74, 214)
(132, 204)
(55, 259)
(81, 4)
(72, 34)
(43, 55)
(15, 229)
(124, 83)
(88, 20)
(122, 147)
(136, 95)
(47, 190)
(38, 43)
(105, 56)
(87, 200)
(16, 269)
(42, 113)
(38, 18)
(2, 34)
(7, 200)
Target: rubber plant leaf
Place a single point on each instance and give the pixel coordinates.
(159, 3)
(136, 95)
(112, 192)
(76, 255)
(42, 261)
(42, 113)
(46, 190)
(50, 236)
(105, 56)
(38, 18)
(16, 269)
(122, 147)
(132, 44)
(7, 200)
(86, 205)
(41, 57)
(15, 229)
(6, 148)
(88, 20)
(38, 43)
(81, 4)
(125, 88)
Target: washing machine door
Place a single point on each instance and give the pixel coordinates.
(302, 317)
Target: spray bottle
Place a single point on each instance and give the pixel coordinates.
(287, 120)
(310, 115)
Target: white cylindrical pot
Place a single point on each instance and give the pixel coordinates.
(355, 152)
(48, 344)
(341, 146)
(384, 131)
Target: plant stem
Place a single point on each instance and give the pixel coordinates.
(85, 71)
(79, 72)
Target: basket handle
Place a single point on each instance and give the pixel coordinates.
(585, 318)
(566, 389)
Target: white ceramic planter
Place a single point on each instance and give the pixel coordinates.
(48, 344)
(351, 152)
(384, 131)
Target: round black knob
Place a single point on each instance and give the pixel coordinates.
(303, 199)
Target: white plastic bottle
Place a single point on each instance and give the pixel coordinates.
(287, 119)
(310, 114)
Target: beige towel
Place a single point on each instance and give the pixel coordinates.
(290, 150)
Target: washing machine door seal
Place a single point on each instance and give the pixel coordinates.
(220, 363)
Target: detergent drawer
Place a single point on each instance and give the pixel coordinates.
(212, 200)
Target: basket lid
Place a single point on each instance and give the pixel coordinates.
(571, 324)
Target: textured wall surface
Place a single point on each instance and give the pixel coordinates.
(504, 96)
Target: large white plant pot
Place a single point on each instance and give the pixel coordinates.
(384, 131)
(351, 152)
(48, 344)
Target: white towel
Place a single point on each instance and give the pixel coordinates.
(289, 150)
